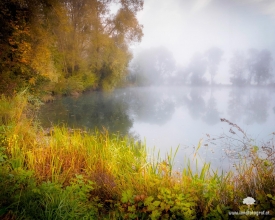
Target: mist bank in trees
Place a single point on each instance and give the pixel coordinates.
(154, 66)
(66, 45)
(253, 67)
(157, 66)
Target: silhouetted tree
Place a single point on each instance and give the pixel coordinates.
(197, 68)
(153, 66)
(214, 57)
(181, 75)
(238, 69)
(259, 66)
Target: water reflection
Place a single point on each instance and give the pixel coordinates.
(150, 106)
(95, 110)
(169, 117)
(195, 104)
(256, 109)
(212, 115)
(250, 105)
(236, 104)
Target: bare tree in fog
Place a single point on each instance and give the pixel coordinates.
(238, 69)
(214, 57)
(259, 66)
(197, 69)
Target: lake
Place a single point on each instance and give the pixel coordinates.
(171, 117)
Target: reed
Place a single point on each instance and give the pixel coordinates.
(74, 174)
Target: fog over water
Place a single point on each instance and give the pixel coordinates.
(174, 95)
(187, 27)
(168, 117)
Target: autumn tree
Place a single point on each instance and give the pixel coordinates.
(67, 44)
(26, 45)
(14, 45)
(95, 41)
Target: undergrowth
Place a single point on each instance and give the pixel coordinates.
(67, 173)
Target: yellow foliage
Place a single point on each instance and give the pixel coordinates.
(32, 81)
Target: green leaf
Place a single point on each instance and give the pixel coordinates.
(148, 200)
(270, 196)
(126, 196)
(219, 209)
(156, 203)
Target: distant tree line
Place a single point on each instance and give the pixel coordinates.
(254, 67)
(66, 45)
(157, 66)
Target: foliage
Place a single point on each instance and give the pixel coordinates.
(67, 173)
(80, 45)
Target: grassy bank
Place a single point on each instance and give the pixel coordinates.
(73, 174)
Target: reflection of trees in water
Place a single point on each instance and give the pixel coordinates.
(236, 104)
(252, 105)
(201, 109)
(115, 111)
(256, 108)
(94, 110)
(151, 106)
(211, 116)
(195, 104)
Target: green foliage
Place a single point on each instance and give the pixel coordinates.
(72, 174)
(22, 196)
(168, 204)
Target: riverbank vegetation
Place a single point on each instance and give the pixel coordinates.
(67, 173)
(66, 47)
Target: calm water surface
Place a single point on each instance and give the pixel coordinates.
(168, 117)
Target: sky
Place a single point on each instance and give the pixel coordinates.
(189, 26)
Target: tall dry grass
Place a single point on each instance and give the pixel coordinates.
(62, 169)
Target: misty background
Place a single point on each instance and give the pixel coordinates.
(197, 43)
(205, 42)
